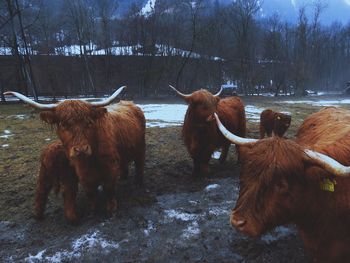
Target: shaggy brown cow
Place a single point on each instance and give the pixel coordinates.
(56, 172)
(284, 181)
(98, 144)
(200, 132)
(276, 122)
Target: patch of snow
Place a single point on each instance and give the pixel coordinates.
(149, 229)
(218, 211)
(48, 139)
(216, 155)
(148, 9)
(93, 241)
(253, 113)
(196, 202)
(276, 234)
(86, 242)
(35, 258)
(7, 134)
(319, 103)
(191, 230)
(178, 215)
(18, 116)
(163, 115)
(211, 187)
(5, 145)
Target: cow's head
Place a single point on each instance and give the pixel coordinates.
(272, 179)
(201, 104)
(75, 122)
(281, 123)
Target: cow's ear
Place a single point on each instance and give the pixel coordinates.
(99, 112)
(49, 116)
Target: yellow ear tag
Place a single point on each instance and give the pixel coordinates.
(328, 185)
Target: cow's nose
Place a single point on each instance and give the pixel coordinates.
(84, 149)
(236, 221)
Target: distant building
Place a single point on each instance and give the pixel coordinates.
(230, 88)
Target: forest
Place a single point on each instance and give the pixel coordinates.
(90, 47)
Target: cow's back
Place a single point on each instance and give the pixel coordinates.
(328, 132)
(232, 114)
(127, 123)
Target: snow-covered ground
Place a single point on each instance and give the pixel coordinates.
(127, 50)
(164, 115)
(318, 103)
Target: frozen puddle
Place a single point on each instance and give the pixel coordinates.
(318, 103)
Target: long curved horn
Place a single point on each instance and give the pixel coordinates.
(218, 94)
(181, 94)
(230, 136)
(31, 102)
(328, 163)
(109, 100)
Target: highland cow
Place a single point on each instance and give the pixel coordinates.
(303, 181)
(200, 133)
(98, 143)
(56, 172)
(273, 122)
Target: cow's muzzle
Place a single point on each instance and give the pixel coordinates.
(237, 222)
(80, 151)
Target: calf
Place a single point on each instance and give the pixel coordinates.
(276, 122)
(56, 172)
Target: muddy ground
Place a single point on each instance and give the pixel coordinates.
(172, 218)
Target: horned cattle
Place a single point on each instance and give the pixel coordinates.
(200, 133)
(98, 143)
(304, 181)
(273, 122)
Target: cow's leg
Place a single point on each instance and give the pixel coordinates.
(224, 151)
(124, 171)
(109, 187)
(196, 168)
(139, 166)
(262, 131)
(91, 193)
(70, 189)
(44, 186)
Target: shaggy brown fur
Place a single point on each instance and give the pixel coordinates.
(200, 131)
(276, 122)
(280, 186)
(56, 172)
(100, 144)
